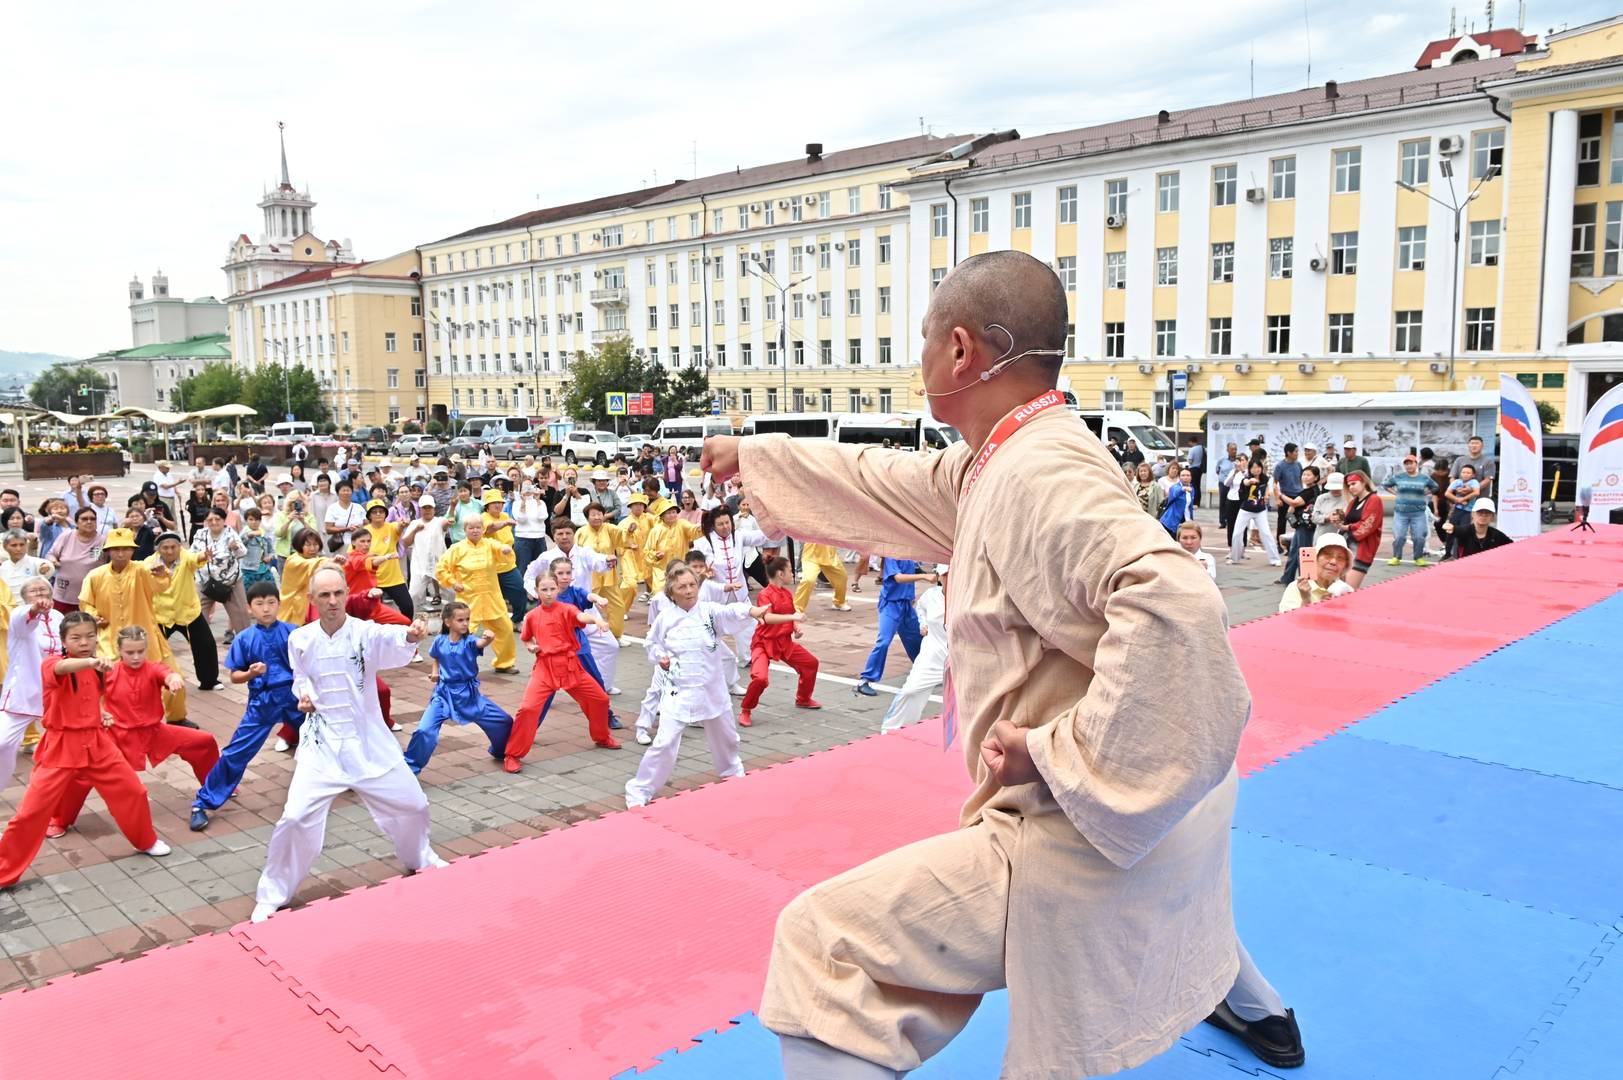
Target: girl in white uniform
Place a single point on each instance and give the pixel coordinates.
(726, 546)
(426, 539)
(34, 631)
(929, 669)
(685, 644)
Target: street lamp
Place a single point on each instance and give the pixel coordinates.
(287, 387)
(1456, 206)
(783, 317)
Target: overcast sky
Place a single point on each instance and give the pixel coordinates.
(140, 136)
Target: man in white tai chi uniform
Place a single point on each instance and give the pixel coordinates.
(344, 743)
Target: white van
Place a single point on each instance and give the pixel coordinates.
(689, 432)
(808, 425)
(293, 431)
(1124, 424)
(492, 427)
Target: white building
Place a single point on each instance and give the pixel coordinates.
(161, 317)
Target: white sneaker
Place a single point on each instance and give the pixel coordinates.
(434, 863)
(737, 690)
(282, 747)
(416, 658)
(262, 912)
(157, 851)
(644, 738)
(614, 691)
(842, 607)
(395, 727)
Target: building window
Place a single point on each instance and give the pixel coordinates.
(1220, 341)
(743, 217)
(1225, 186)
(746, 355)
(1281, 257)
(938, 221)
(1022, 210)
(1487, 152)
(1166, 193)
(343, 336)
(743, 309)
(1349, 170)
(797, 259)
(796, 213)
(1406, 331)
(721, 356)
(1115, 340)
(1279, 334)
(417, 305)
(980, 216)
(825, 305)
(824, 205)
(1583, 239)
(853, 301)
(798, 354)
(416, 341)
(1613, 239)
(853, 351)
(1223, 261)
(1344, 253)
(433, 264)
(884, 401)
(1282, 171)
(696, 313)
(1113, 399)
(884, 350)
(1412, 247)
(1166, 337)
(1166, 266)
(772, 354)
(1341, 333)
(389, 341)
(825, 258)
(746, 400)
(937, 276)
(1485, 243)
(1161, 406)
(825, 352)
(1617, 147)
(884, 247)
(719, 312)
(770, 303)
(1115, 269)
(1070, 339)
(1116, 198)
(419, 379)
(653, 316)
(1067, 204)
(1479, 327)
(884, 196)
(1414, 157)
(797, 304)
(675, 313)
(1589, 130)
(853, 253)
(393, 377)
(1066, 265)
(771, 400)
(718, 266)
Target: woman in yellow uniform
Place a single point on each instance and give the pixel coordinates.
(824, 559)
(634, 529)
(386, 538)
(303, 561)
(8, 604)
(121, 593)
(609, 541)
(499, 530)
(667, 542)
(468, 568)
(179, 609)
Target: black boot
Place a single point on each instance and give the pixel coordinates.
(1276, 1040)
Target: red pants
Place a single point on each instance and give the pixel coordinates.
(791, 653)
(109, 774)
(551, 674)
(139, 746)
(385, 701)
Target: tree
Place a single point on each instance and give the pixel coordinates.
(273, 390)
(434, 427)
(689, 394)
(612, 368)
(219, 383)
(57, 388)
(411, 427)
(1548, 416)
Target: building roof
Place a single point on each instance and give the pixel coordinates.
(325, 272)
(1396, 399)
(202, 347)
(584, 208)
(1249, 114)
(1507, 42)
(912, 148)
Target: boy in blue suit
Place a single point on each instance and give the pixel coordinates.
(457, 696)
(896, 616)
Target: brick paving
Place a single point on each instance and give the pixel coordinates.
(88, 899)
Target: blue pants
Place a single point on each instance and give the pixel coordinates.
(512, 586)
(527, 549)
(1412, 526)
(895, 617)
(461, 703)
(586, 661)
(266, 709)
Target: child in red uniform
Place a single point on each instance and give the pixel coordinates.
(360, 570)
(133, 695)
(777, 642)
(549, 633)
(76, 746)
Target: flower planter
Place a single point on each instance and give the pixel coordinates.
(56, 466)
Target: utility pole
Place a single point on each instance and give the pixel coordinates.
(1456, 206)
(783, 320)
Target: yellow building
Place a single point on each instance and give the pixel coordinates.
(358, 326)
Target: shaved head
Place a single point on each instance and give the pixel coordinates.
(1010, 289)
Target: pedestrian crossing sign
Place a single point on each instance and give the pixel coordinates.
(617, 404)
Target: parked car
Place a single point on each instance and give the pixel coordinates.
(631, 445)
(256, 437)
(422, 445)
(465, 445)
(371, 440)
(593, 446)
(513, 447)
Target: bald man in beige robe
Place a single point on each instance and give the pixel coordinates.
(1090, 871)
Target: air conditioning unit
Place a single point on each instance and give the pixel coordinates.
(1449, 145)
(1242, 369)
(597, 273)
(839, 245)
(1306, 368)
(755, 208)
(1145, 369)
(867, 399)
(1418, 264)
(811, 249)
(1317, 263)
(1115, 221)
(783, 204)
(1192, 369)
(1256, 195)
(1438, 368)
(1490, 260)
(810, 200)
(597, 238)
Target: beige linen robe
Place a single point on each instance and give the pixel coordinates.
(1100, 899)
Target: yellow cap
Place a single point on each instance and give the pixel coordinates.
(118, 538)
(636, 497)
(661, 505)
(494, 495)
(376, 504)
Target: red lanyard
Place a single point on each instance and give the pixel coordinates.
(1011, 423)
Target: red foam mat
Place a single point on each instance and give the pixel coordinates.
(203, 1008)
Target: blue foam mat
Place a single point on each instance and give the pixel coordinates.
(1578, 1035)
(1582, 674)
(1517, 835)
(1350, 946)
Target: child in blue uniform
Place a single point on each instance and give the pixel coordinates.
(457, 697)
(564, 571)
(258, 657)
(896, 616)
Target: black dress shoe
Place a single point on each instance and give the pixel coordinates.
(1276, 1040)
